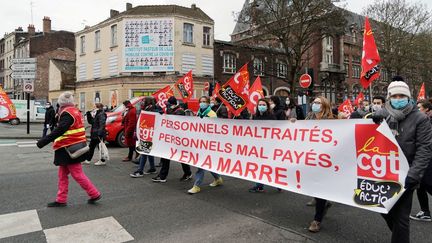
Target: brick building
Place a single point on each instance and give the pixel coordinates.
(49, 44)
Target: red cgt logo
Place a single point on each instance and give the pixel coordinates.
(146, 125)
(377, 156)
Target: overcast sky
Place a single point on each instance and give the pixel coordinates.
(74, 15)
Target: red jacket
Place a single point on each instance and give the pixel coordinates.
(129, 123)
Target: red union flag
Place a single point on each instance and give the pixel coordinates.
(255, 93)
(370, 57)
(7, 108)
(346, 107)
(360, 98)
(162, 96)
(185, 86)
(216, 90)
(234, 93)
(422, 95)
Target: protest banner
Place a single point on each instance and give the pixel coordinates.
(346, 107)
(7, 108)
(234, 93)
(359, 99)
(161, 96)
(185, 86)
(354, 162)
(255, 93)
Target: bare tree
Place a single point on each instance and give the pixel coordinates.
(398, 26)
(292, 25)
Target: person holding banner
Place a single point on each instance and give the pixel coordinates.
(413, 131)
(290, 109)
(321, 110)
(205, 111)
(129, 123)
(263, 112)
(277, 107)
(172, 108)
(147, 105)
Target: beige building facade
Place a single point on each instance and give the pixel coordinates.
(140, 50)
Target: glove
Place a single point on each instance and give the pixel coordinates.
(377, 118)
(411, 183)
(40, 144)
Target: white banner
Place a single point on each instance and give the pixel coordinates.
(353, 162)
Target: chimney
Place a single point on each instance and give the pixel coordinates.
(31, 30)
(128, 6)
(193, 6)
(46, 24)
(113, 13)
(19, 29)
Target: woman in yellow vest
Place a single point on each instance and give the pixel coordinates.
(70, 149)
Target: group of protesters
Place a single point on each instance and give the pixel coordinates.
(409, 122)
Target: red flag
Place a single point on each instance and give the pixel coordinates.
(370, 57)
(346, 107)
(234, 93)
(360, 98)
(422, 93)
(255, 93)
(7, 108)
(162, 96)
(216, 90)
(185, 86)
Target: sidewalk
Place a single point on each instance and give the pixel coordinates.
(7, 131)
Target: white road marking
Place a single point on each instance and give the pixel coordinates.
(26, 145)
(19, 223)
(104, 230)
(26, 142)
(7, 144)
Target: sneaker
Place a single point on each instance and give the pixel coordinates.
(150, 172)
(100, 163)
(137, 174)
(194, 189)
(256, 189)
(421, 216)
(314, 226)
(311, 203)
(158, 179)
(126, 159)
(186, 177)
(217, 182)
(94, 200)
(56, 204)
(85, 162)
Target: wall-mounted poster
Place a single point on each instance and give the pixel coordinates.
(148, 45)
(113, 98)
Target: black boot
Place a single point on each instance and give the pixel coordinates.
(56, 204)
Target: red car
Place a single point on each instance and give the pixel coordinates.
(114, 125)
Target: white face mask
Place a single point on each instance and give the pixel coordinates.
(287, 102)
(272, 106)
(376, 107)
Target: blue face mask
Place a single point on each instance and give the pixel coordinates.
(203, 105)
(316, 108)
(262, 108)
(399, 103)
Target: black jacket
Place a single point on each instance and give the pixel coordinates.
(176, 110)
(50, 116)
(279, 113)
(264, 116)
(61, 157)
(98, 124)
(221, 110)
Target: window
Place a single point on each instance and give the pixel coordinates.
(258, 67)
(206, 36)
(82, 101)
(346, 70)
(82, 39)
(281, 70)
(346, 58)
(97, 40)
(114, 35)
(356, 59)
(229, 63)
(329, 58)
(384, 75)
(329, 41)
(356, 71)
(188, 33)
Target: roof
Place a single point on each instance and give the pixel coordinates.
(67, 67)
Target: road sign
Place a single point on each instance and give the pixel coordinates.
(23, 75)
(24, 60)
(28, 85)
(305, 80)
(17, 67)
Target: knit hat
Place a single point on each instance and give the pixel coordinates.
(172, 100)
(65, 98)
(398, 86)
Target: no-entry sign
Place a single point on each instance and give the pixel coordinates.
(305, 80)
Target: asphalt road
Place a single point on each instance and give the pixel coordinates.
(150, 212)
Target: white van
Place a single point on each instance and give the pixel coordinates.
(37, 111)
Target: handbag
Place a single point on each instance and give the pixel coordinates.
(76, 150)
(104, 155)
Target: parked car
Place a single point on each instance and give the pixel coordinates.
(114, 125)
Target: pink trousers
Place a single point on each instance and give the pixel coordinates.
(78, 174)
